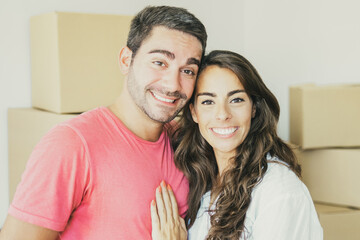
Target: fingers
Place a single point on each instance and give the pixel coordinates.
(183, 232)
(154, 219)
(175, 211)
(160, 206)
(165, 219)
(167, 202)
(182, 223)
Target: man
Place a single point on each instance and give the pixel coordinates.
(93, 177)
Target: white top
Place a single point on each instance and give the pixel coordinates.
(281, 208)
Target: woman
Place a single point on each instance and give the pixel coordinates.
(244, 180)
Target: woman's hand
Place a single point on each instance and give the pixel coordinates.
(165, 219)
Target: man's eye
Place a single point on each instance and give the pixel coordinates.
(189, 72)
(237, 100)
(159, 63)
(207, 102)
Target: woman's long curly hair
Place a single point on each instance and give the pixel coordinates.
(195, 157)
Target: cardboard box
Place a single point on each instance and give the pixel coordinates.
(325, 116)
(339, 222)
(74, 60)
(26, 126)
(332, 175)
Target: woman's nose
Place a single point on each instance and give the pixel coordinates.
(223, 112)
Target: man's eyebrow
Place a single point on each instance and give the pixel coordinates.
(206, 94)
(172, 56)
(235, 91)
(164, 52)
(193, 61)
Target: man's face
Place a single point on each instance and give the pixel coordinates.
(162, 75)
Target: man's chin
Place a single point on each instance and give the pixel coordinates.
(162, 118)
(162, 114)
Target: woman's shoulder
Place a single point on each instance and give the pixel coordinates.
(279, 180)
(279, 187)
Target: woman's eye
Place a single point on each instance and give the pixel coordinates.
(237, 100)
(207, 102)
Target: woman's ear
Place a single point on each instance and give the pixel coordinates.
(193, 113)
(253, 111)
(125, 57)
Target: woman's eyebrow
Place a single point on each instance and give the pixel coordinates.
(214, 94)
(235, 91)
(206, 94)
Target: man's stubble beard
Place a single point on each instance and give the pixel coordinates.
(139, 97)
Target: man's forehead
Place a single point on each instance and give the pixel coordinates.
(161, 37)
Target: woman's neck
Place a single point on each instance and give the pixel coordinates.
(223, 161)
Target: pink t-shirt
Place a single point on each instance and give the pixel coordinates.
(92, 178)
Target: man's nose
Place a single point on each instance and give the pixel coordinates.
(171, 81)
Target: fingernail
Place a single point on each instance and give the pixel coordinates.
(168, 187)
(153, 203)
(158, 189)
(163, 183)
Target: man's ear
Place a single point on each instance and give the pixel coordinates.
(125, 57)
(193, 113)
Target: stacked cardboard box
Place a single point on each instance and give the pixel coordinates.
(339, 222)
(324, 122)
(74, 66)
(74, 60)
(26, 126)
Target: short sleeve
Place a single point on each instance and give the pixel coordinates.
(54, 181)
(287, 217)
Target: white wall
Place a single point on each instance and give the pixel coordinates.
(15, 78)
(297, 41)
(288, 41)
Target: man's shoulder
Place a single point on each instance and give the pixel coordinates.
(86, 118)
(90, 123)
(73, 131)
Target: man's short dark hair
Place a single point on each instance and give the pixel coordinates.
(170, 17)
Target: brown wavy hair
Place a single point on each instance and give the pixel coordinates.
(195, 157)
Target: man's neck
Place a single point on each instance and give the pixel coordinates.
(135, 119)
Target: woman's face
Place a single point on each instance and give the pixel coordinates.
(222, 109)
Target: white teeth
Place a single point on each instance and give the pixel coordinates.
(224, 131)
(163, 99)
